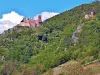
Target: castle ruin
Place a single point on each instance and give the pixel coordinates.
(88, 16)
(31, 22)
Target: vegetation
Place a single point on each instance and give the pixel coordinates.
(33, 51)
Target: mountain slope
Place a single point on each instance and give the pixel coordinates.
(28, 51)
(75, 68)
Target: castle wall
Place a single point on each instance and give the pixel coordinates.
(32, 22)
(24, 24)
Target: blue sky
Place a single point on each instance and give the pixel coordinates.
(13, 11)
(31, 8)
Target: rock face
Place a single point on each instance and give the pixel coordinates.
(75, 37)
(31, 22)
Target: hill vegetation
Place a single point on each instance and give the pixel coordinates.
(33, 51)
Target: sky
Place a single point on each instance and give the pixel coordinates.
(13, 11)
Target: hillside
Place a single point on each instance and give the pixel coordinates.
(33, 51)
(75, 68)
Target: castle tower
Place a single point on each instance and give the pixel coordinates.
(32, 22)
(24, 19)
(92, 14)
(39, 19)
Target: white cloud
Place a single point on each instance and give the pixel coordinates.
(9, 20)
(46, 15)
(13, 17)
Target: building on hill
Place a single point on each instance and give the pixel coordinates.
(31, 22)
(88, 16)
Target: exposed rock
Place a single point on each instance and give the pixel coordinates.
(75, 37)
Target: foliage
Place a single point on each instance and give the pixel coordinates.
(23, 45)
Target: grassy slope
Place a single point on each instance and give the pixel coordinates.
(22, 44)
(75, 68)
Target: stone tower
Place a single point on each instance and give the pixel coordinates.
(39, 19)
(92, 14)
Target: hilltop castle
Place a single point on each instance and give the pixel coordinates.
(31, 22)
(88, 16)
